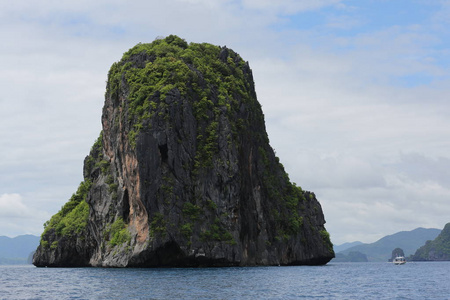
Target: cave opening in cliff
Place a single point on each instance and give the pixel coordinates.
(164, 151)
(126, 206)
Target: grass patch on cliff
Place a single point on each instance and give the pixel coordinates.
(91, 161)
(158, 225)
(73, 216)
(217, 233)
(326, 239)
(54, 245)
(192, 211)
(186, 229)
(119, 233)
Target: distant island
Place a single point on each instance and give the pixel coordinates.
(17, 250)
(381, 250)
(435, 250)
(397, 252)
(345, 246)
(352, 256)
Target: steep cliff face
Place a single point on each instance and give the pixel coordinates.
(183, 173)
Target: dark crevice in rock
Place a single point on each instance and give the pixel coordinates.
(164, 152)
(126, 207)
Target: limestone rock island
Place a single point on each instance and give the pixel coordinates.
(182, 174)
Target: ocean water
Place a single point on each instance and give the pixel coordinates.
(424, 280)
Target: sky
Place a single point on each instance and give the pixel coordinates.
(355, 96)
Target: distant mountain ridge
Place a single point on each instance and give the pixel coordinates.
(345, 246)
(354, 256)
(17, 250)
(409, 241)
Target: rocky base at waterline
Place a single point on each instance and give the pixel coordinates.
(183, 174)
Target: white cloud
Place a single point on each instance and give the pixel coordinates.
(11, 206)
(288, 6)
(16, 217)
(342, 112)
(406, 202)
(369, 214)
(375, 155)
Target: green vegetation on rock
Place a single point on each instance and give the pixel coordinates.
(218, 233)
(96, 152)
(158, 225)
(437, 249)
(192, 211)
(73, 216)
(326, 239)
(119, 233)
(195, 72)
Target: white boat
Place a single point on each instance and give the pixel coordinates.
(399, 260)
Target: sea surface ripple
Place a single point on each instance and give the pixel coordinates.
(424, 280)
